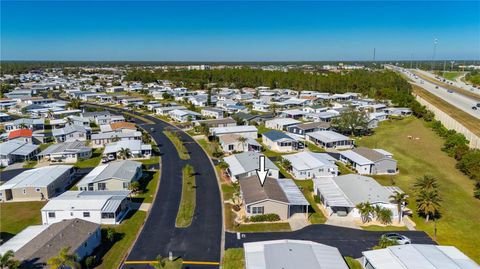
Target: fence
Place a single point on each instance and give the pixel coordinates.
(451, 123)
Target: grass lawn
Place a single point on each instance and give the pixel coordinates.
(152, 160)
(30, 164)
(467, 120)
(93, 161)
(127, 231)
(383, 228)
(352, 263)
(17, 216)
(148, 184)
(343, 169)
(315, 215)
(458, 225)
(181, 149)
(262, 129)
(187, 202)
(234, 258)
(451, 75)
(209, 147)
(314, 148)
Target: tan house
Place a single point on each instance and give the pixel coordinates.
(115, 176)
(277, 196)
(37, 184)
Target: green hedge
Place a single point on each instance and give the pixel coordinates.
(265, 217)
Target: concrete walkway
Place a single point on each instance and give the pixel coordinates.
(346, 222)
(298, 222)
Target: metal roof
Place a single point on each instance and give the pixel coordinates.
(332, 193)
(293, 193)
(122, 170)
(86, 200)
(292, 254)
(361, 189)
(65, 147)
(246, 162)
(17, 147)
(276, 136)
(283, 121)
(355, 157)
(328, 136)
(309, 160)
(38, 177)
(22, 238)
(69, 129)
(233, 129)
(413, 256)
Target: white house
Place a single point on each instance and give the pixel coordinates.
(136, 147)
(232, 143)
(306, 165)
(183, 115)
(71, 133)
(114, 176)
(66, 152)
(341, 194)
(16, 151)
(369, 161)
(280, 142)
(247, 131)
(212, 112)
(103, 207)
(330, 140)
(245, 164)
(280, 123)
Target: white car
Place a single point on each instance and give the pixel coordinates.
(400, 239)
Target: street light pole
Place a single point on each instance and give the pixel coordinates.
(435, 42)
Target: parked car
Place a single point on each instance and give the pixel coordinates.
(475, 107)
(400, 239)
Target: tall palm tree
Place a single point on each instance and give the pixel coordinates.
(242, 140)
(425, 183)
(124, 153)
(64, 260)
(7, 260)
(287, 164)
(400, 199)
(428, 203)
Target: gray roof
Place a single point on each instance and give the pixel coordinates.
(328, 136)
(38, 177)
(309, 160)
(17, 147)
(277, 135)
(246, 162)
(68, 233)
(312, 125)
(66, 147)
(292, 254)
(253, 192)
(361, 189)
(293, 193)
(355, 157)
(68, 129)
(122, 170)
(370, 154)
(104, 201)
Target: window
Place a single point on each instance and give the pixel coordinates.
(24, 191)
(71, 214)
(125, 185)
(257, 209)
(230, 147)
(108, 215)
(37, 189)
(51, 215)
(102, 186)
(86, 214)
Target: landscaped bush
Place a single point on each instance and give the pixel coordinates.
(264, 217)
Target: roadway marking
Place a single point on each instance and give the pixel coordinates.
(184, 262)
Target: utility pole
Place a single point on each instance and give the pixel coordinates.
(374, 54)
(411, 61)
(435, 42)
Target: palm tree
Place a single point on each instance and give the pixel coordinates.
(384, 216)
(242, 140)
(124, 153)
(400, 199)
(366, 211)
(22, 126)
(7, 260)
(68, 120)
(385, 242)
(146, 138)
(425, 183)
(287, 164)
(50, 114)
(428, 203)
(273, 107)
(64, 260)
(236, 196)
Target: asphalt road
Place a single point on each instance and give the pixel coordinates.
(350, 242)
(458, 100)
(457, 83)
(201, 241)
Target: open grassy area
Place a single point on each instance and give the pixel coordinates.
(14, 217)
(234, 258)
(181, 149)
(458, 225)
(127, 232)
(451, 75)
(187, 202)
(352, 263)
(93, 161)
(467, 120)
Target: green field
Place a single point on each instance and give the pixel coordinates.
(460, 220)
(17, 216)
(234, 259)
(187, 202)
(451, 75)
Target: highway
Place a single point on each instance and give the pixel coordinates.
(458, 100)
(457, 83)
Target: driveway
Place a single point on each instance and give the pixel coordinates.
(350, 242)
(201, 241)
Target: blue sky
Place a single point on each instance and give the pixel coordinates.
(238, 31)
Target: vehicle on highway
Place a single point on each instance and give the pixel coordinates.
(152, 130)
(436, 87)
(449, 91)
(475, 107)
(400, 239)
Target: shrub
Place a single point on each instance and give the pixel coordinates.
(317, 199)
(264, 217)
